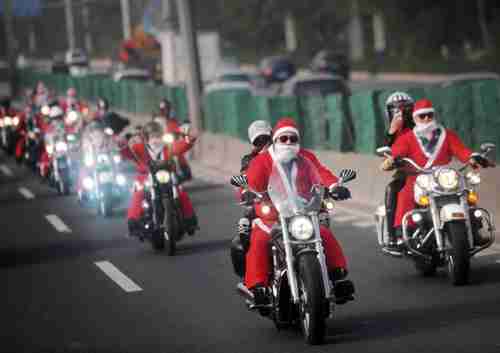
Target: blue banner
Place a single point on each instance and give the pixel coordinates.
(24, 8)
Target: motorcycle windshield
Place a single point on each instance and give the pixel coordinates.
(295, 187)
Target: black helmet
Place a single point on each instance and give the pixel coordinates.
(400, 101)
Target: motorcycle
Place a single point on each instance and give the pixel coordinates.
(301, 292)
(62, 165)
(448, 222)
(10, 126)
(106, 183)
(163, 221)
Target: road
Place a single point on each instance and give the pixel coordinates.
(74, 282)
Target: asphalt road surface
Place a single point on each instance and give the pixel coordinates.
(75, 282)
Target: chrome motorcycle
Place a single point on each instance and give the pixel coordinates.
(448, 226)
(300, 292)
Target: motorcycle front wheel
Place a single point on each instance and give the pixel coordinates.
(458, 257)
(312, 303)
(170, 227)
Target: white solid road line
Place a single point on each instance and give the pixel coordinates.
(6, 170)
(57, 223)
(26, 193)
(118, 277)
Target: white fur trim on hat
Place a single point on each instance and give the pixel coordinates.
(285, 129)
(423, 111)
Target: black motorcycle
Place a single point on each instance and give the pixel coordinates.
(163, 222)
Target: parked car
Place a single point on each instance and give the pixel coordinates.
(329, 61)
(315, 84)
(234, 79)
(277, 69)
(132, 74)
(74, 62)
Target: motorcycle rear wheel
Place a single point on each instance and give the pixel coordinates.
(312, 300)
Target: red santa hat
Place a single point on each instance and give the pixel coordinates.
(285, 125)
(422, 106)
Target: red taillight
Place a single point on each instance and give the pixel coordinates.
(267, 72)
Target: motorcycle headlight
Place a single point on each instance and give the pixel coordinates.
(162, 176)
(447, 178)
(109, 131)
(424, 181)
(50, 149)
(168, 138)
(15, 121)
(474, 178)
(88, 183)
(7, 121)
(301, 228)
(71, 138)
(89, 160)
(102, 158)
(61, 146)
(45, 110)
(117, 158)
(121, 180)
(71, 117)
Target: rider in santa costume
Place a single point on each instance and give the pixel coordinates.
(285, 149)
(429, 144)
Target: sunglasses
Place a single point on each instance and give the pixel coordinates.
(427, 116)
(285, 138)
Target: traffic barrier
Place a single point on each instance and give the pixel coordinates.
(356, 123)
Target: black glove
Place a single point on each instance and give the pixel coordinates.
(482, 161)
(247, 198)
(339, 193)
(240, 181)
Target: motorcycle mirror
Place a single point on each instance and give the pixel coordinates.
(384, 150)
(486, 147)
(347, 175)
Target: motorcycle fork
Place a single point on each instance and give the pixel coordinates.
(292, 277)
(320, 251)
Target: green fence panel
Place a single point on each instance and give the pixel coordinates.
(368, 122)
(314, 119)
(486, 96)
(179, 99)
(340, 129)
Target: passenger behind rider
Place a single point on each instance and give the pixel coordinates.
(285, 149)
(428, 144)
(153, 149)
(398, 111)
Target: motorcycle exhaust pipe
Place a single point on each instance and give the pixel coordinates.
(242, 290)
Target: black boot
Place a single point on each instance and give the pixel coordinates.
(191, 225)
(395, 247)
(343, 289)
(134, 228)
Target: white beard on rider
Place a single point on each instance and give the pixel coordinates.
(426, 129)
(285, 152)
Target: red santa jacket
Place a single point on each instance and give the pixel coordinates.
(448, 146)
(261, 166)
(143, 156)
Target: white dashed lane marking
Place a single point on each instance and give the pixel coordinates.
(26, 193)
(118, 277)
(6, 170)
(57, 223)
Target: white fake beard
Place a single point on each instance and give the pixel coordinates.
(285, 153)
(424, 129)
